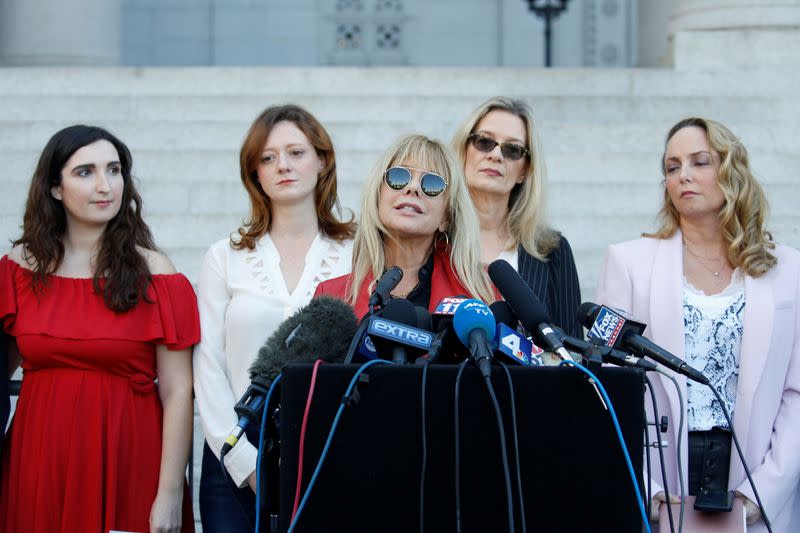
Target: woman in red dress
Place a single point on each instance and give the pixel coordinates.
(103, 326)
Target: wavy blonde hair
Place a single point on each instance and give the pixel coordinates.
(462, 225)
(526, 217)
(743, 215)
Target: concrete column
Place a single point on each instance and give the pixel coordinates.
(653, 18)
(60, 32)
(735, 33)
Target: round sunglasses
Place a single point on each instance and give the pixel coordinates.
(398, 178)
(485, 144)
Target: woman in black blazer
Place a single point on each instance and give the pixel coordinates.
(500, 151)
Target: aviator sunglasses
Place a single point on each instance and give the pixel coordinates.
(485, 144)
(398, 178)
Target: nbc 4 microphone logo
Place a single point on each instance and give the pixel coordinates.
(607, 326)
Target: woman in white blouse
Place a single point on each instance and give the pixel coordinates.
(716, 291)
(250, 283)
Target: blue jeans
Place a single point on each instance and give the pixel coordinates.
(224, 508)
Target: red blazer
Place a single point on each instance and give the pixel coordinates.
(444, 282)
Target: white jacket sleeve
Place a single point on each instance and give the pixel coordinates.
(215, 397)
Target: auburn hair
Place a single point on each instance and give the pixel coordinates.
(325, 195)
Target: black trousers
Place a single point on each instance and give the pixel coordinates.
(709, 461)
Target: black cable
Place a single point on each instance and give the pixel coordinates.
(457, 445)
(649, 472)
(516, 447)
(741, 457)
(680, 436)
(424, 452)
(504, 452)
(661, 456)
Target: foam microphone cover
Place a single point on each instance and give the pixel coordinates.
(503, 314)
(472, 315)
(423, 318)
(323, 329)
(587, 314)
(525, 304)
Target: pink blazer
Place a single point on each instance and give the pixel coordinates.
(645, 277)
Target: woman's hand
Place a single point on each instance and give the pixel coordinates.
(658, 499)
(252, 481)
(166, 512)
(751, 509)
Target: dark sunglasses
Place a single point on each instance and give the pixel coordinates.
(485, 144)
(398, 178)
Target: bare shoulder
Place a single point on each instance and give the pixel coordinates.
(157, 262)
(18, 255)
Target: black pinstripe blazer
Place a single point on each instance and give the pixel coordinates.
(555, 283)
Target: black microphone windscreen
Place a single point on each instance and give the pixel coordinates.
(423, 318)
(323, 329)
(529, 309)
(384, 286)
(503, 313)
(401, 311)
(587, 314)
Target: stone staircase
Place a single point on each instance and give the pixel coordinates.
(602, 133)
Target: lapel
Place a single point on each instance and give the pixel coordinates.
(534, 272)
(362, 300)
(666, 296)
(759, 309)
(444, 282)
(666, 322)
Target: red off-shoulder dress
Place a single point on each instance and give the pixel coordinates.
(84, 450)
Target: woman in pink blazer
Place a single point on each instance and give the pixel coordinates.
(717, 292)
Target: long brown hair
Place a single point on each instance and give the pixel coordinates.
(325, 197)
(743, 215)
(45, 223)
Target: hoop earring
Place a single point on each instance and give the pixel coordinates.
(442, 236)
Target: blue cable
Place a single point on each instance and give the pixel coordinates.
(324, 453)
(613, 414)
(260, 455)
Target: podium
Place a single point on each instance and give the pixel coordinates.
(574, 476)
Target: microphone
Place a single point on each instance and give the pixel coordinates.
(442, 325)
(396, 328)
(606, 353)
(474, 325)
(320, 330)
(366, 347)
(616, 328)
(508, 341)
(386, 283)
(530, 310)
(438, 342)
(424, 318)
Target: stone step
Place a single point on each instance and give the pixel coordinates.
(222, 166)
(478, 82)
(558, 137)
(81, 108)
(600, 200)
